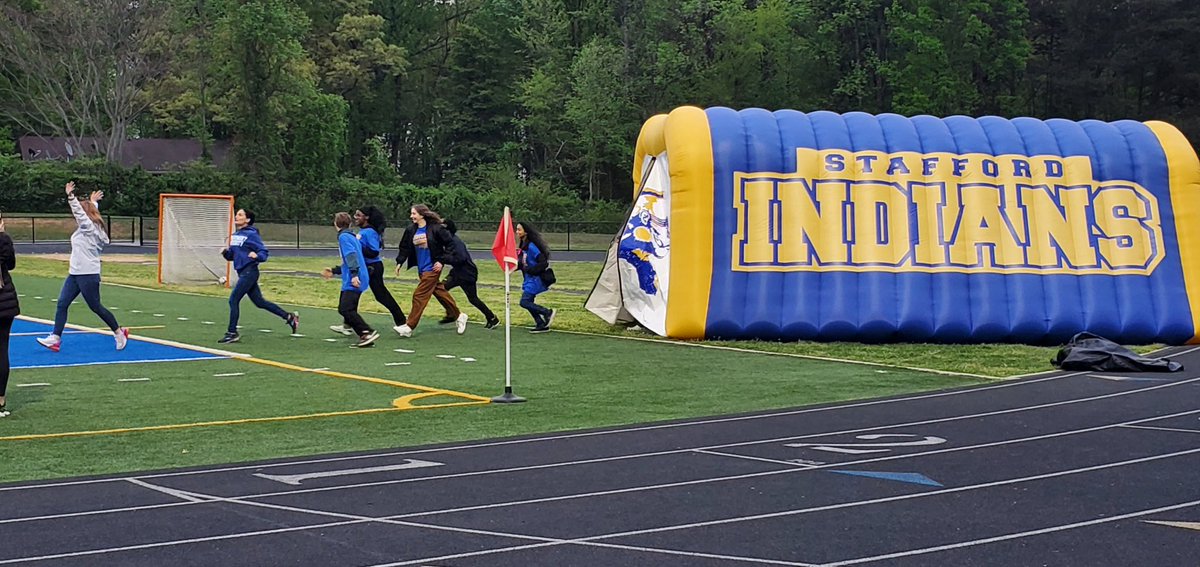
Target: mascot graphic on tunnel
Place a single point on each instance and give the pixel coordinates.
(645, 239)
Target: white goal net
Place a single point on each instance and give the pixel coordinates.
(192, 231)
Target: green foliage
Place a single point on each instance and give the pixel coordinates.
(318, 139)
(37, 187)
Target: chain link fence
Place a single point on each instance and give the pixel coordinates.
(560, 235)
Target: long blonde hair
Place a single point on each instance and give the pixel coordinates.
(89, 209)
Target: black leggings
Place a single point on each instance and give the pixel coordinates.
(6, 324)
(348, 309)
(381, 293)
(469, 289)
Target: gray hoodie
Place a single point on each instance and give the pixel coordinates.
(86, 243)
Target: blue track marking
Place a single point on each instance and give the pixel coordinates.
(909, 477)
(84, 348)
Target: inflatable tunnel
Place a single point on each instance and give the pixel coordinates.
(786, 225)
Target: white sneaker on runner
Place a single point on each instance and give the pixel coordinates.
(122, 337)
(342, 329)
(460, 324)
(52, 342)
(403, 330)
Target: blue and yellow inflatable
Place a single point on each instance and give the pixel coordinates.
(787, 225)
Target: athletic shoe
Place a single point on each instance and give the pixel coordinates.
(4, 411)
(460, 324)
(550, 319)
(447, 320)
(538, 330)
(293, 321)
(491, 323)
(122, 337)
(230, 338)
(367, 339)
(52, 342)
(403, 330)
(341, 330)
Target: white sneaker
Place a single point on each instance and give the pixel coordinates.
(403, 330)
(122, 337)
(460, 324)
(52, 342)
(341, 329)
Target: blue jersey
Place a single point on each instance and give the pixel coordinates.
(372, 244)
(241, 244)
(533, 282)
(424, 258)
(352, 262)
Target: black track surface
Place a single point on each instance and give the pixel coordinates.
(1064, 469)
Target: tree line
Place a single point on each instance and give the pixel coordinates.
(509, 95)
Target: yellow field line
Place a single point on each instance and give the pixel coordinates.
(402, 403)
(427, 391)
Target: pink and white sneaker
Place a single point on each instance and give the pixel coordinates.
(121, 335)
(52, 342)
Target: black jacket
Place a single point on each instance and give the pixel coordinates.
(9, 306)
(439, 240)
(460, 258)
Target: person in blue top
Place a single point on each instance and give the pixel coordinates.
(246, 250)
(353, 267)
(427, 245)
(371, 225)
(534, 262)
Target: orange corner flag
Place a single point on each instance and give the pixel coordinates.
(504, 247)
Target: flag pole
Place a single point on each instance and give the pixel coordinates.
(508, 397)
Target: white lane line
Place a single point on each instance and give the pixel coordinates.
(352, 519)
(571, 436)
(446, 356)
(133, 379)
(1017, 535)
(168, 491)
(793, 468)
(397, 363)
(403, 350)
(297, 479)
(467, 359)
(752, 458)
(1159, 428)
(229, 374)
(33, 385)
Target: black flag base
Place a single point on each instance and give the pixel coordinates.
(508, 397)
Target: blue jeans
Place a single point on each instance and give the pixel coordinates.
(248, 285)
(89, 286)
(541, 315)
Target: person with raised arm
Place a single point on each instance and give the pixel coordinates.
(83, 274)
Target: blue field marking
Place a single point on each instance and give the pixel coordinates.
(82, 348)
(910, 477)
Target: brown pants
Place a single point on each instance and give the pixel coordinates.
(428, 286)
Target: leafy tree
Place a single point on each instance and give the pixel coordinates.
(76, 68)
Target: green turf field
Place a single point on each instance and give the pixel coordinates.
(87, 422)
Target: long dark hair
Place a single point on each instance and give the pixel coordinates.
(532, 235)
(428, 213)
(375, 218)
